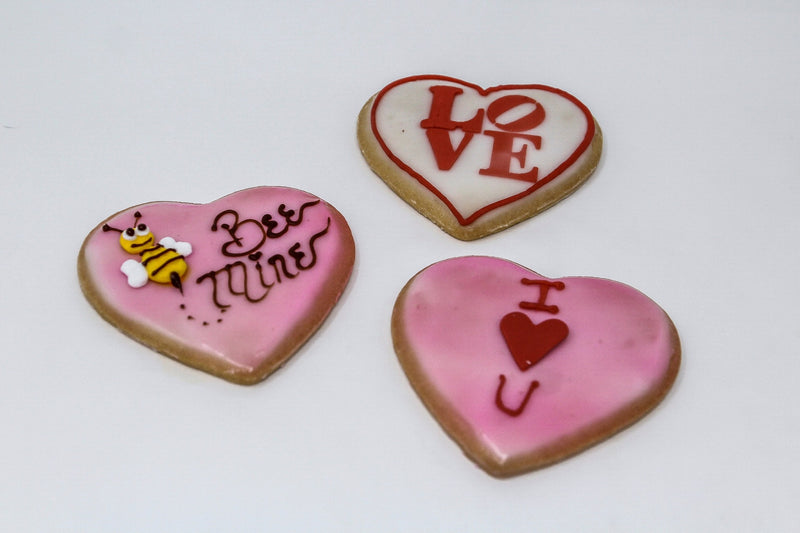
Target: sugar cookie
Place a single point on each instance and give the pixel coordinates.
(233, 287)
(523, 371)
(476, 161)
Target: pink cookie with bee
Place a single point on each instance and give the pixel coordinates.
(523, 371)
(233, 287)
(476, 161)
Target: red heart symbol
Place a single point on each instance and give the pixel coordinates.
(619, 360)
(476, 160)
(233, 287)
(529, 342)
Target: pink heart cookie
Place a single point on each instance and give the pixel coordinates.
(473, 160)
(458, 329)
(233, 287)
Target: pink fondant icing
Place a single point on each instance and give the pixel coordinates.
(620, 347)
(244, 334)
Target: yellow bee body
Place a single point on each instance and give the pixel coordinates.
(161, 262)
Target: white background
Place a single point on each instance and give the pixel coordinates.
(104, 105)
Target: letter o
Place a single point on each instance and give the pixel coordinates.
(509, 102)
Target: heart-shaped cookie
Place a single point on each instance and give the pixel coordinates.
(466, 331)
(233, 287)
(475, 161)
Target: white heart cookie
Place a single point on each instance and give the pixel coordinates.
(476, 161)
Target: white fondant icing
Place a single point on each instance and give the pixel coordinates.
(401, 109)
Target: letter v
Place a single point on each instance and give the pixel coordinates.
(446, 156)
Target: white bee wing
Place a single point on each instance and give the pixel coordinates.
(136, 272)
(183, 248)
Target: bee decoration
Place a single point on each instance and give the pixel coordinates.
(162, 262)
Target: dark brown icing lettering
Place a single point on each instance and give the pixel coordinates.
(279, 259)
(229, 270)
(285, 266)
(236, 239)
(287, 214)
(298, 255)
(229, 221)
(264, 284)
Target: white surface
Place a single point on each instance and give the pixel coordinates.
(105, 105)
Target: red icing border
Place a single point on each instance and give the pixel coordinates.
(587, 140)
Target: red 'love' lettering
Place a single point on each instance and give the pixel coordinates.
(509, 134)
